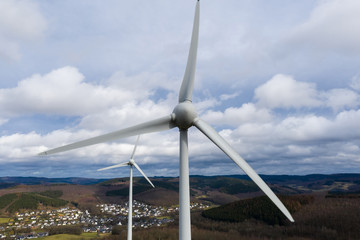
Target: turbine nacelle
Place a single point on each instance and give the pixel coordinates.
(185, 114)
(131, 162)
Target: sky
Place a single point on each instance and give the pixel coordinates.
(279, 80)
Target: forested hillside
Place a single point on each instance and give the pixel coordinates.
(259, 208)
(14, 202)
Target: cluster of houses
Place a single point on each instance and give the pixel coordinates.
(142, 210)
(24, 235)
(144, 215)
(139, 210)
(112, 214)
(45, 218)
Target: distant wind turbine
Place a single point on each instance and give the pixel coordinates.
(184, 116)
(131, 163)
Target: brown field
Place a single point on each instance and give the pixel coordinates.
(159, 197)
(220, 198)
(76, 193)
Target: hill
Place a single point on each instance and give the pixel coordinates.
(13, 181)
(319, 219)
(323, 206)
(211, 189)
(313, 182)
(14, 202)
(259, 208)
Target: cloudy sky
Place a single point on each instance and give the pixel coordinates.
(280, 80)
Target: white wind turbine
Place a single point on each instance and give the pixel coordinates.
(184, 116)
(131, 163)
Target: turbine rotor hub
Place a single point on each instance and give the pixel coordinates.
(185, 114)
(131, 162)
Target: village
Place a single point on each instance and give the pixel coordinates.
(144, 216)
(153, 215)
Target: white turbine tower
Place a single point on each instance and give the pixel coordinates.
(131, 163)
(184, 116)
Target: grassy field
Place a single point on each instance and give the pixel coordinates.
(162, 217)
(4, 220)
(71, 237)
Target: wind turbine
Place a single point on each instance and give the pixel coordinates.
(131, 163)
(184, 116)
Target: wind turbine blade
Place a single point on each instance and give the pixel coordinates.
(187, 85)
(228, 150)
(139, 169)
(114, 166)
(133, 153)
(156, 125)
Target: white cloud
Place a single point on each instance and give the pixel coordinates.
(125, 115)
(18, 145)
(282, 91)
(24, 148)
(333, 25)
(236, 116)
(255, 131)
(64, 91)
(297, 140)
(225, 97)
(338, 99)
(20, 20)
(203, 105)
(346, 125)
(304, 130)
(307, 128)
(274, 139)
(355, 82)
(61, 91)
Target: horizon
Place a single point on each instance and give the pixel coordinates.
(231, 175)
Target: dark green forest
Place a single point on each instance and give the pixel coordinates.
(259, 208)
(19, 201)
(52, 193)
(7, 199)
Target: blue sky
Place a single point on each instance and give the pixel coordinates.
(279, 80)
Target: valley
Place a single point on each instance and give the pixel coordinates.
(221, 206)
